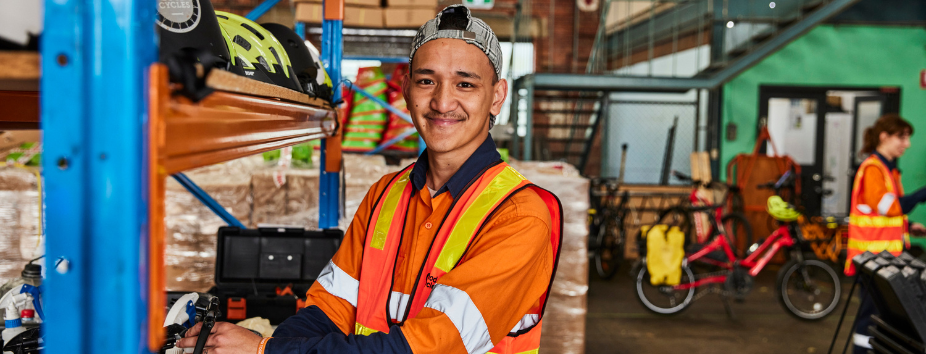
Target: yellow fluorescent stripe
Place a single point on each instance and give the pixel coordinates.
(387, 212)
(876, 221)
(876, 246)
(532, 351)
(361, 330)
(470, 220)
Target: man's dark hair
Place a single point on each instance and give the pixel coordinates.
(455, 18)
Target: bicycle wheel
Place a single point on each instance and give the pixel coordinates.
(594, 225)
(663, 299)
(738, 232)
(610, 247)
(809, 290)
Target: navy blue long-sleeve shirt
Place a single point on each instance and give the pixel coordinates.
(310, 331)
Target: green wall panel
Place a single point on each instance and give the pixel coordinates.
(839, 55)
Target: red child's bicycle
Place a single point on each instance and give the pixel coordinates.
(808, 288)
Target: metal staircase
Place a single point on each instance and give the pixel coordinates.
(566, 110)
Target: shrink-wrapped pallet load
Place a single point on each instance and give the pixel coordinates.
(397, 125)
(564, 319)
(367, 120)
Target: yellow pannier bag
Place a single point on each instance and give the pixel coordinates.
(665, 251)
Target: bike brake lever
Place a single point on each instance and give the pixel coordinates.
(208, 323)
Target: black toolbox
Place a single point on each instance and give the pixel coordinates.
(266, 272)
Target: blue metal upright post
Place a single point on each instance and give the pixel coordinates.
(95, 59)
(332, 49)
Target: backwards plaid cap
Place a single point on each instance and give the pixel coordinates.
(456, 22)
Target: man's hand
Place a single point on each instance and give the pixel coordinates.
(917, 229)
(226, 338)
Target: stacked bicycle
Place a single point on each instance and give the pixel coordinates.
(808, 288)
(606, 226)
(696, 212)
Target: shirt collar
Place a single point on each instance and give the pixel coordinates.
(485, 155)
(891, 165)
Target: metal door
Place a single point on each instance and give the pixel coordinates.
(795, 120)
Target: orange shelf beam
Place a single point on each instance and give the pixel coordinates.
(224, 126)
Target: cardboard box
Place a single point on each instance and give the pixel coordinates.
(358, 16)
(397, 17)
(368, 3)
(414, 3)
(309, 12)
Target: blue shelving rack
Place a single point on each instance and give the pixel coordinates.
(95, 106)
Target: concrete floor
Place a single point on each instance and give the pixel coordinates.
(618, 323)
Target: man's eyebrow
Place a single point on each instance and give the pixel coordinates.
(469, 75)
(423, 71)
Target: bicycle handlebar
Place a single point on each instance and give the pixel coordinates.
(683, 177)
(786, 180)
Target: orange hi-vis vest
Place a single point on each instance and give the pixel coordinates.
(868, 229)
(378, 306)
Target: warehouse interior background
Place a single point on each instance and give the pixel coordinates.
(118, 183)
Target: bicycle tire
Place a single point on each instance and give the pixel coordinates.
(736, 227)
(643, 283)
(594, 226)
(609, 251)
(819, 309)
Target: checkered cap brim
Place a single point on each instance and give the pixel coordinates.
(477, 33)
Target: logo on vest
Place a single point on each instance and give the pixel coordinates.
(430, 281)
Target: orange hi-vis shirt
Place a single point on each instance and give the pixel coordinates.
(505, 271)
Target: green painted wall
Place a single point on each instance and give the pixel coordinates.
(842, 55)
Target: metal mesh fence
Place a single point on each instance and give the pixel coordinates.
(644, 126)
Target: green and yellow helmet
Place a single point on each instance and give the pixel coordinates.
(305, 61)
(781, 210)
(256, 52)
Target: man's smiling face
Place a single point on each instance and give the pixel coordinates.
(451, 90)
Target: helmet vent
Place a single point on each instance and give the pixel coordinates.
(239, 40)
(276, 56)
(263, 62)
(254, 31)
(244, 62)
(222, 17)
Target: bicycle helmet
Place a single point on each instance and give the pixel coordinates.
(309, 69)
(316, 57)
(261, 56)
(190, 27)
(781, 210)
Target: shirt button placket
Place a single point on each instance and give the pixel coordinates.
(428, 225)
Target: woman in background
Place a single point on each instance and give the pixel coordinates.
(878, 214)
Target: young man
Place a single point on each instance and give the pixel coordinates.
(454, 254)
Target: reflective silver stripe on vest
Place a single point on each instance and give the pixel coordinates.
(398, 302)
(461, 310)
(527, 321)
(338, 283)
